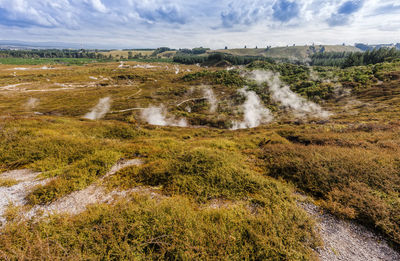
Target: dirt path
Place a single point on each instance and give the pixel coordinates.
(348, 241)
(12, 87)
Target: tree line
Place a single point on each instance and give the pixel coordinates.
(348, 59)
(329, 59)
(371, 57)
(53, 53)
(194, 51)
(218, 57)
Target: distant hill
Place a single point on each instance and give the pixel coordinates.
(13, 44)
(26, 45)
(299, 53)
(366, 47)
(138, 53)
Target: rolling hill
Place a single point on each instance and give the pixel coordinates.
(291, 53)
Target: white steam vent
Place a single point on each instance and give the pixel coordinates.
(210, 96)
(283, 94)
(255, 113)
(177, 69)
(100, 110)
(32, 103)
(158, 116)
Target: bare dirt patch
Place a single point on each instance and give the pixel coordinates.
(77, 201)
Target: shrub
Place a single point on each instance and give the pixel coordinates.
(355, 183)
(228, 78)
(201, 173)
(76, 176)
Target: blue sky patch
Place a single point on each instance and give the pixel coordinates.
(285, 10)
(350, 7)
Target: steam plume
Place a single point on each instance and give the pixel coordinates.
(254, 112)
(31, 103)
(100, 110)
(313, 74)
(177, 70)
(283, 94)
(210, 96)
(158, 116)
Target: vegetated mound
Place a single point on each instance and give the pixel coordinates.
(223, 63)
(172, 228)
(202, 173)
(353, 183)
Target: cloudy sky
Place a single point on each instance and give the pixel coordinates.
(208, 23)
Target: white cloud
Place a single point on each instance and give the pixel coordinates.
(98, 6)
(180, 23)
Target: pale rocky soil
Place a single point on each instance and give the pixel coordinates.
(348, 241)
(15, 195)
(74, 203)
(77, 201)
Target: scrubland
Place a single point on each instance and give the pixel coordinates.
(222, 194)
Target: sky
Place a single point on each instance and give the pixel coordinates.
(208, 23)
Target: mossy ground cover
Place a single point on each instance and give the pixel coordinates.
(349, 164)
(174, 228)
